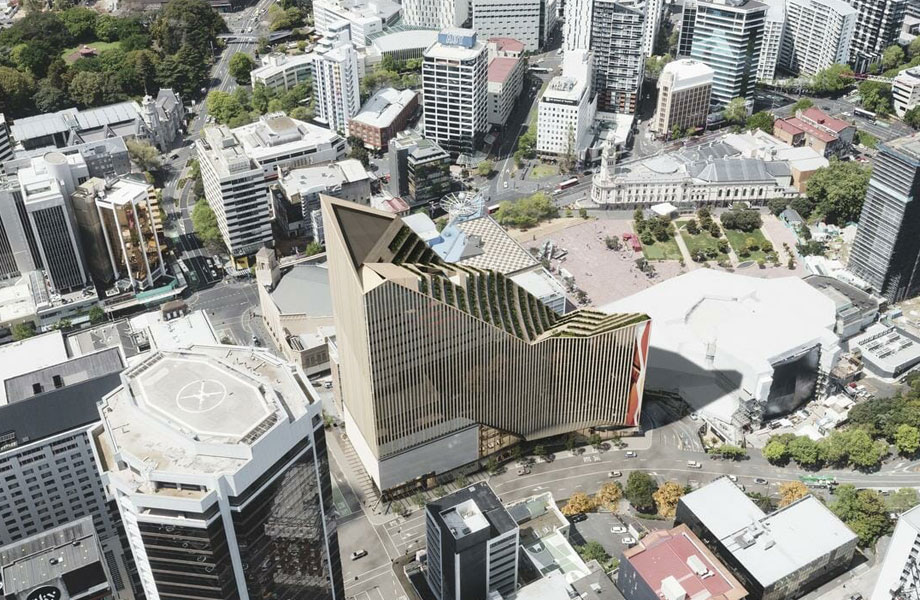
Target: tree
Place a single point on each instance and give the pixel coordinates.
(832, 79)
(22, 331)
(804, 451)
(570, 443)
(526, 212)
(640, 490)
(907, 439)
(240, 65)
(913, 50)
(912, 116)
(666, 497)
(735, 111)
(492, 465)
(539, 450)
(892, 57)
(654, 65)
(837, 191)
(730, 451)
(485, 168)
(312, 248)
(613, 242)
(744, 219)
(205, 223)
(96, 315)
(580, 502)
(191, 22)
(760, 120)
(802, 104)
(863, 511)
(875, 96)
(86, 88)
(593, 551)
(692, 227)
(790, 491)
(145, 156)
(583, 213)
(358, 151)
(16, 91)
(609, 495)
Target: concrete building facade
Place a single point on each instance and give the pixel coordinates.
(618, 46)
(818, 34)
(282, 72)
(774, 26)
(567, 108)
(900, 573)
(419, 169)
(335, 82)
(455, 91)
(426, 403)
(905, 90)
(385, 114)
(435, 14)
(684, 87)
(878, 26)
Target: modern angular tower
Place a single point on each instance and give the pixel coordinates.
(442, 363)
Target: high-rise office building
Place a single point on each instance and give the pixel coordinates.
(774, 26)
(237, 166)
(886, 251)
(419, 169)
(335, 79)
(899, 577)
(442, 364)
(878, 26)
(454, 90)
(116, 224)
(727, 35)
(522, 20)
(216, 458)
(617, 43)
(567, 108)
(472, 545)
(684, 87)
(818, 34)
(435, 14)
(46, 187)
(47, 401)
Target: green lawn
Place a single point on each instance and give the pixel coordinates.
(700, 241)
(662, 251)
(738, 239)
(99, 46)
(543, 170)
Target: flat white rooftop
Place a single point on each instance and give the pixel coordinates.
(30, 354)
(383, 107)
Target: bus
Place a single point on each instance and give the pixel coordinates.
(826, 481)
(865, 114)
(568, 183)
(492, 208)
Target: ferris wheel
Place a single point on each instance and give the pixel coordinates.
(462, 204)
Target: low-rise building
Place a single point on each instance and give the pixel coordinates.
(298, 204)
(364, 17)
(419, 169)
(506, 80)
(385, 114)
(812, 128)
(905, 90)
(856, 309)
(282, 72)
(567, 108)
(399, 44)
(776, 556)
(237, 166)
(683, 97)
(739, 350)
(297, 310)
(886, 351)
(674, 563)
(898, 577)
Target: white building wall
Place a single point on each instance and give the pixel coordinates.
(338, 96)
(905, 91)
(435, 14)
(817, 35)
(576, 31)
(901, 562)
(772, 40)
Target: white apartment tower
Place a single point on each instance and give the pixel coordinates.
(772, 45)
(566, 110)
(528, 21)
(435, 14)
(455, 90)
(817, 35)
(576, 30)
(653, 13)
(900, 574)
(335, 79)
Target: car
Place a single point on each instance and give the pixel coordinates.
(578, 518)
(327, 385)
(631, 454)
(760, 481)
(694, 464)
(174, 156)
(733, 478)
(628, 541)
(358, 554)
(856, 596)
(694, 416)
(506, 184)
(614, 474)
(617, 529)
(256, 341)
(523, 471)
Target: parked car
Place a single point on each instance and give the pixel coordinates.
(631, 454)
(614, 474)
(577, 518)
(760, 481)
(358, 554)
(524, 471)
(618, 529)
(628, 541)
